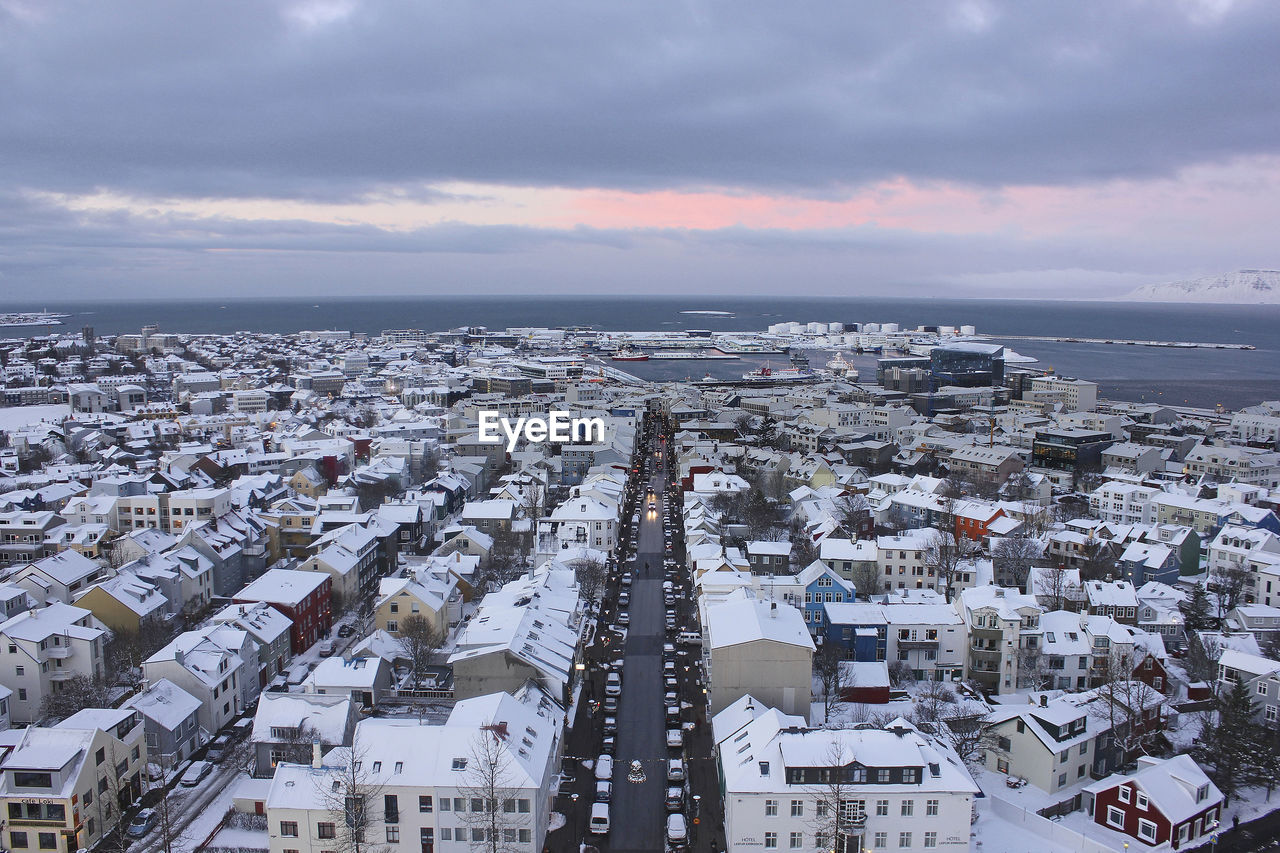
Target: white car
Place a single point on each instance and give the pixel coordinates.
(677, 832)
(197, 771)
(675, 738)
(604, 768)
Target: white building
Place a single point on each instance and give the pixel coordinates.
(425, 777)
(42, 649)
(898, 789)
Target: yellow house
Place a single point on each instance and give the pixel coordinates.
(308, 483)
(426, 596)
(124, 602)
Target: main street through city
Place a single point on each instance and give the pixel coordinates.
(638, 811)
(639, 651)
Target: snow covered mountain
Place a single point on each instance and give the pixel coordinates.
(1242, 287)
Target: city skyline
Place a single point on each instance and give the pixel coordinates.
(339, 148)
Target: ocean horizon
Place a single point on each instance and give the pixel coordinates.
(1198, 377)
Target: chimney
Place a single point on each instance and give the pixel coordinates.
(773, 609)
(316, 759)
(1044, 700)
(179, 656)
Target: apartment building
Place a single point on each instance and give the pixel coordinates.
(42, 649)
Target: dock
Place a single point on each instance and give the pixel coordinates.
(1117, 341)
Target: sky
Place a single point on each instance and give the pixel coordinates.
(152, 149)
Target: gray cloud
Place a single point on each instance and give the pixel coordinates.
(246, 98)
(237, 99)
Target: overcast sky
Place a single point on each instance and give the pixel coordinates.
(895, 148)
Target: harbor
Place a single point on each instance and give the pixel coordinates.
(1118, 341)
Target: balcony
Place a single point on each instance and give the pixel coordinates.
(57, 653)
(62, 674)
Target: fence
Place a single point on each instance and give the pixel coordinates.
(1047, 829)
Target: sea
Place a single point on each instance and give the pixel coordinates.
(1191, 377)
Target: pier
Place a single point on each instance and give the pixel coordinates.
(1121, 341)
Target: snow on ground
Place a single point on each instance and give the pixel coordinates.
(234, 837)
(206, 821)
(556, 821)
(17, 417)
(994, 834)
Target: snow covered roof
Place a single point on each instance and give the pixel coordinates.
(282, 586)
(324, 715)
(1171, 784)
(165, 703)
(744, 620)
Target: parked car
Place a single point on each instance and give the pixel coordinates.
(142, 823)
(196, 772)
(675, 798)
(599, 824)
(675, 770)
(675, 738)
(613, 684)
(677, 832)
(346, 631)
(604, 768)
(326, 649)
(611, 704)
(604, 791)
(219, 748)
(610, 725)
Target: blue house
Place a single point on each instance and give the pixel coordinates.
(822, 586)
(860, 629)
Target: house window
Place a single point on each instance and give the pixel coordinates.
(18, 840)
(1115, 817)
(325, 830)
(1146, 830)
(424, 805)
(931, 839)
(908, 808)
(797, 808)
(770, 808)
(289, 828)
(797, 840)
(1125, 795)
(882, 808)
(393, 834)
(48, 840)
(1142, 801)
(881, 840)
(931, 808)
(904, 839)
(771, 841)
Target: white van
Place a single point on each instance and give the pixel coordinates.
(689, 638)
(599, 824)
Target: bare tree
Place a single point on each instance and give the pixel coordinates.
(828, 666)
(112, 796)
(350, 794)
(1229, 582)
(1012, 559)
(839, 807)
(494, 816)
(1058, 588)
(851, 513)
(169, 833)
(867, 579)
(420, 641)
(77, 692)
(1124, 703)
(590, 573)
(943, 556)
(1033, 670)
(128, 649)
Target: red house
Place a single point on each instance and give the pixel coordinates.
(973, 518)
(1164, 800)
(1150, 670)
(302, 596)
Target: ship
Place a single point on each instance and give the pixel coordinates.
(787, 374)
(693, 355)
(840, 367)
(629, 354)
